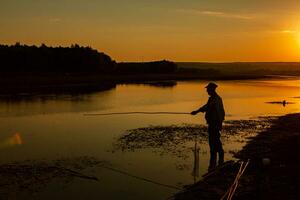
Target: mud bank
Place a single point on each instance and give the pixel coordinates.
(273, 171)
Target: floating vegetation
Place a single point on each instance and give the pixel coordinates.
(178, 140)
(245, 128)
(31, 176)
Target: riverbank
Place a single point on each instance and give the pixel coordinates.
(273, 171)
(279, 179)
(58, 83)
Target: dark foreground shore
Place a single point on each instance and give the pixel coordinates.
(273, 171)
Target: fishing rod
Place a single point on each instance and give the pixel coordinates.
(142, 113)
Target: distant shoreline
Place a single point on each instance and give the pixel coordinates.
(30, 68)
(93, 83)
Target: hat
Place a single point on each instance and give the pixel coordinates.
(212, 85)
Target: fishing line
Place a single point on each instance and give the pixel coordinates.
(140, 178)
(142, 113)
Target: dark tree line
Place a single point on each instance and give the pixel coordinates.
(43, 59)
(156, 67)
(20, 59)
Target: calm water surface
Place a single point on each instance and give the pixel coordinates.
(52, 127)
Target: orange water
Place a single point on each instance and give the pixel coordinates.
(54, 126)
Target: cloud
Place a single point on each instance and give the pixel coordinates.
(287, 31)
(219, 14)
(282, 31)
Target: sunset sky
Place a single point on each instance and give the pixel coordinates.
(143, 30)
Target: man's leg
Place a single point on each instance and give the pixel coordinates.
(212, 146)
(213, 153)
(215, 144)
(220, 150)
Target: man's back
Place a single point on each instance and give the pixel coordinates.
(214, 112)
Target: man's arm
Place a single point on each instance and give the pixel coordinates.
(202, 109)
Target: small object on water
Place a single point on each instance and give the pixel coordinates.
(284, 102)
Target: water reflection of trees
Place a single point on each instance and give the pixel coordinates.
(51, 92)
(63, 93)
(26, 104)
(158, 84)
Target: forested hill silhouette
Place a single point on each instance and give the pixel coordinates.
(25, 68)
(24, 59)
(32, 59)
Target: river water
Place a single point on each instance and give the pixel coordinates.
(55, 126)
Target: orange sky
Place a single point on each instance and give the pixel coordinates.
(143, 30)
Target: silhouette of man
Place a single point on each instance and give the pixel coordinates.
(214, 115)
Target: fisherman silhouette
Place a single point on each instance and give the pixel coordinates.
(214, 115)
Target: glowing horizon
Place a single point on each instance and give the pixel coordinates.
(141, 30)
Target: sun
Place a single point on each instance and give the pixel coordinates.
(298, 37)
(295, 35)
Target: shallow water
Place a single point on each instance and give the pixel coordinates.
(51, 127)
